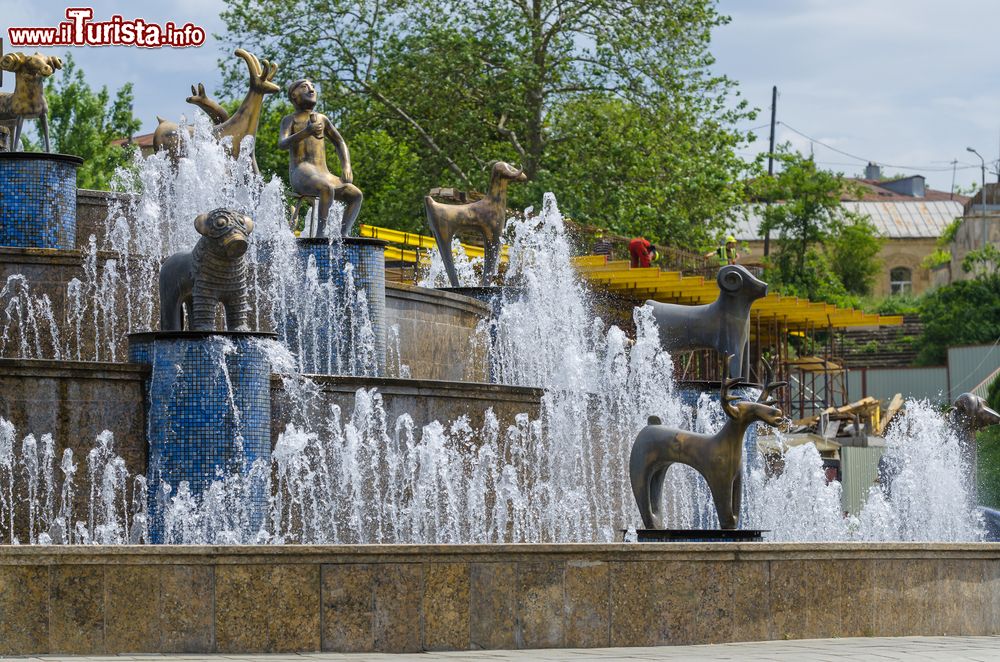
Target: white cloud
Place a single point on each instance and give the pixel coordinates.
(908, 82)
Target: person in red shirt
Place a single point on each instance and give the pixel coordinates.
(642, 252)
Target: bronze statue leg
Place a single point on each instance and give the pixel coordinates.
(237, 310)
(655, 499)
(737, 496)
(444, 243)
(351, 196)
(326, 197)
(491, 259)
(203, 313)
(15, 144)
(43, 120)
(722, 495)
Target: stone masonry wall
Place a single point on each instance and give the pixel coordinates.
(86, 600)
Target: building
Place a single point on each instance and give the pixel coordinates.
(144, 142)
(980, 226)
(910, 216)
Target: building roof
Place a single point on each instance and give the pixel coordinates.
(143, 140)
(889, 191)
(902, 218)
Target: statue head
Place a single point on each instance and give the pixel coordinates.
(735, 279)
(228, 230)
(31, 66)
(302, 94)
(972, 412)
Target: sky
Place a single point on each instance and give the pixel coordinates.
(908, 84)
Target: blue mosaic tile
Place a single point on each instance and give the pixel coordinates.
(209, 414)
(38, 200)
(367, 257)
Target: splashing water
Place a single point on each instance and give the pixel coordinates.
(339, 476)
(465, 268)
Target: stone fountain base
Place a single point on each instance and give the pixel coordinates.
(397, 598)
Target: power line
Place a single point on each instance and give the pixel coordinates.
(866, 160)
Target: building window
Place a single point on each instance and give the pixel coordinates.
(900, 281)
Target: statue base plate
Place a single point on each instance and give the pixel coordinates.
(697, 535)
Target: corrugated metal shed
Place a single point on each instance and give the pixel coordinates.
(883, 383)
(967, 366)
(917, 219)
(858, 470)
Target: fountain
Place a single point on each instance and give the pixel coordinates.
(316, 502)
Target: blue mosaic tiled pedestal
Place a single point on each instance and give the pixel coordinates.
(330, 347)
(208, 398)
(38, 200)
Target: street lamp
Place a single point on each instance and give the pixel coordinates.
(982, 191)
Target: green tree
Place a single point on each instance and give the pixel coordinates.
(462, 83)
(85, 123)
(962, 313)
(854, 246)
(983, 261)
(823, 252)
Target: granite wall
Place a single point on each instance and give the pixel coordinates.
(106, 600)
(424, 400)
(75, 401)
(435, 331)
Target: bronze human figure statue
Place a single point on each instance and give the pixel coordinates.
(304, 134)
(487, 215)
(243, 122)
(723, 325)
(718, 457)
(214, 272)
(27, 101)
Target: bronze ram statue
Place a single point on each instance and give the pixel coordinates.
(27, 101)
(718, 457)
(242, 123)
(487, 215)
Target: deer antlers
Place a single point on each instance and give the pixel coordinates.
(261, 72)
(769, 385)
(727, 400)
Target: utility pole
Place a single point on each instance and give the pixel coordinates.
(770, 159)
(982, 191)
(954, 165)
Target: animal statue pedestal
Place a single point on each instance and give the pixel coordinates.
(346, 292)
(38, 200)
(495, 297)
(208, 415)
(695, 535)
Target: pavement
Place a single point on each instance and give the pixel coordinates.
(876, 649)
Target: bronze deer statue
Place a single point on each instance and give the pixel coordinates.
(487, 215)
(718, 457)
(27, 101)
(242, 123)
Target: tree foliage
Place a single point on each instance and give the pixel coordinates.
(85, 123)
(823, 252)
(610, 104)
(854, 246)
(962, 313)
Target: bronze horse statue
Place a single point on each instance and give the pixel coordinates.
(487, 215)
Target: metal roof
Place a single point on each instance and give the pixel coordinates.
(917, 219)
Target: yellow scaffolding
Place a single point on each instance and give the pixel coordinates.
(673, 287)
